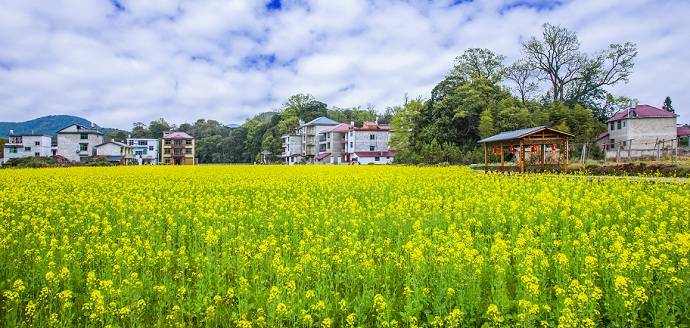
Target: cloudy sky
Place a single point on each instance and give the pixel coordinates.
(120, 61)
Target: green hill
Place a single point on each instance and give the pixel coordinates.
(43, 125)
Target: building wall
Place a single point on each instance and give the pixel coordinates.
(68, 145)
(111, 149)
(292, 149)
(372, 160)
(643, 132)
(150, 151)
(43, 149)
(188, 159)
(361, 141)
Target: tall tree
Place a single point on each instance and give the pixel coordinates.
(478, 63)
(668, 106)
(486, 124)
(157, 127)
(573, 75)
(524, 79)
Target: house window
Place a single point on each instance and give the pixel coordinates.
(624, 143)
(376, 159)
(371, 148)
(37, 154)
(131, 142)
(27, 148)
(144, 151)
(611, 126)
(623, 123)
(351, 144)
(188, 142)
(37, 143)
(372, 137)
(619, 125)
(613, 143)
(83, 147)
(167, 142)
(178, 142)
(83, 136)
(143, 142)
(150, 148)
(188, 151)
(166, 151)
(177, 152)
(13, 150)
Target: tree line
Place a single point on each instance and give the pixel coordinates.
(554, 83)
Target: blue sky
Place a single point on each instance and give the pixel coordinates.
(120, 61)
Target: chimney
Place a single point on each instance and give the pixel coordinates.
(301, 122)
(11, 132)
(352, 123)
(93, 125)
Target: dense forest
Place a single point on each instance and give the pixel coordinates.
(554, 83)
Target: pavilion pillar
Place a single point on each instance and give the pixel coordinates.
(522, 157)
(486, 159)
(542, 156)
(565, 155)
(502, 162)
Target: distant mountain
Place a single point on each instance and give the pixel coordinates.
(44, 125)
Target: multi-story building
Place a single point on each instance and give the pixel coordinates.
(116, 152)
(146, 151)
(332, 144)
(639, 131)
(369, 144)
(324, 141)
(310, 133)
(177, 149)
(26, 145)
(77, 142)
(292, 148)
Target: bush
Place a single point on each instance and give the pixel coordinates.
(34, 162)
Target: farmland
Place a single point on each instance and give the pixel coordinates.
(318, 246)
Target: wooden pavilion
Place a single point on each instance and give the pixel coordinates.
(536, 138)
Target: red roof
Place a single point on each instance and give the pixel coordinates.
(389, 153)
(342, 127)
(683, 131)
(176, 135)
(372, 126)
(322, 156)
(601, 136)
(641, 111)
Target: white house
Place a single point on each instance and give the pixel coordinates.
(292, 148)
(146, 151)
(639, 131)
(77, 142)
(27, 145)
(115, 152)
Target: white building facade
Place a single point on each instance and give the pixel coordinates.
(639, 131)
(26, 145)
(145, 151)
(115, 152)
(77, 142)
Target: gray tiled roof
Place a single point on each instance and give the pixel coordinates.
(508, 135)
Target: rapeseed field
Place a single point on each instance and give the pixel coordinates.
(317, 246)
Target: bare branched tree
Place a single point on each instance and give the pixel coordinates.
(522, 75)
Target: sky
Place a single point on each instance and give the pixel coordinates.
(116, 62)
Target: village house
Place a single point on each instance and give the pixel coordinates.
(26, 145)
(77, 142)
(116, 152)
(310, 133)
(146, 151)
(639, 131)
(325, 141)
(292, 148)
(369, 144)
(332, 144)
(178, 149)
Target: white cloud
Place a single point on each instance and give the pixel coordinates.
(229, 60)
